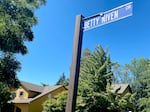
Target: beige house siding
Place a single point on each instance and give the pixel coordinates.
(22, 91)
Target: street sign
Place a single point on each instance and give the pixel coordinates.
(84, 24)
(108, 16)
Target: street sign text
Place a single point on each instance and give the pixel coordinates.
(107, 17)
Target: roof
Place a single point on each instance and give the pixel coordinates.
(121, 87)
(32, 87)
(43, 90)
(47, 89)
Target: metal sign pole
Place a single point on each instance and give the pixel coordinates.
(75, 67)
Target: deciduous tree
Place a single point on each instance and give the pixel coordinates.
(140, 70)
(16, 21)
(63, 80)
(137, 73)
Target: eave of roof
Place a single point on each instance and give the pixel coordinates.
(22, 101)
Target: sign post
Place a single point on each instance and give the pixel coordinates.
(84, 24)
(75, 67)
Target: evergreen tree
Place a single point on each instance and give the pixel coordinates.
(63, 80)
(95, 85)
(95, 73)
(94, 93)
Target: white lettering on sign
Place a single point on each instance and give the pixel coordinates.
(128, 7)
(91, 23)
(109, 17)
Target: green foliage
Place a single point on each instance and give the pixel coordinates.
(63, 80)
(5, 94)
(127, 102)
(56, 104)
(144, 104)
(8, 68)
(95, 84)
(107, 101)
(96, 70)
(17, 19)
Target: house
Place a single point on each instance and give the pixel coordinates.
(122, 89)
(30, 97)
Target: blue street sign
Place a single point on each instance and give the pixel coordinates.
(108, 16)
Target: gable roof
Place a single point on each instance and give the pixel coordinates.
(121, 87)
(43, 90)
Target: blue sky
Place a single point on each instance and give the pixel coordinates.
(50, 54)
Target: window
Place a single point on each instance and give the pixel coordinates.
(21, 93)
